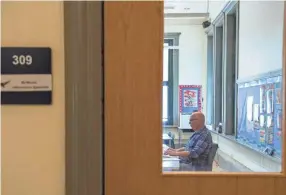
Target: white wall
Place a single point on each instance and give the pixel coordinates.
(190, 52)
(215, 8)
(260, 37)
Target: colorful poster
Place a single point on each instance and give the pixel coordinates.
(279, 119)
(262, 136)
(270, 130)
(269, 99)
(190, 99)
(262, 121)
(269, 121)
(262, 99)
(270, 136)
(278, 96)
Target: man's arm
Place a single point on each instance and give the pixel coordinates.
(195, 152)
(199, 148)
(172, 151)
(181, 149)
(178, 153)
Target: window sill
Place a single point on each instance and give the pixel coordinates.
(170, 126)
(233, 139)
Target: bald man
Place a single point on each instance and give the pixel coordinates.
(194, 157)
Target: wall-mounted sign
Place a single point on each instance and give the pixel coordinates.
(26, 75)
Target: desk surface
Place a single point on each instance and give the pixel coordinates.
(171, 164)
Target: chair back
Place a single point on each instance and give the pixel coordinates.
(211, 156)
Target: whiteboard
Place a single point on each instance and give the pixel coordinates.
(184, 121)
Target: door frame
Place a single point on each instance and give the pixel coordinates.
(84, 95)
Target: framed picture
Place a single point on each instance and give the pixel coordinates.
(190, 98)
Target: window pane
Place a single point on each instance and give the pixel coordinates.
(243, 90)
(166, 64)
(165, 103)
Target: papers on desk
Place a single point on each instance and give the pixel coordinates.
(165, 148)
(168, 157)
(171, 163)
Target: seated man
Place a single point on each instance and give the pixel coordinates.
(194, 157)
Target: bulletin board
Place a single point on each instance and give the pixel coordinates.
(190, 99)
(259, 114)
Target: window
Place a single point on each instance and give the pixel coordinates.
(230, 70)
(168, 82)
(210, 86)
(218, 71)
(222, 71)
(170, 79)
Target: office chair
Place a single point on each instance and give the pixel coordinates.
(211, 156)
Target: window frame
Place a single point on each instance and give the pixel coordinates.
(222, 63)
(218, 58)
(169, 83)
(231, 64)
(210, 78)
(173, 97)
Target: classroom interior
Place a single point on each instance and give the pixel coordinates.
(224, 58)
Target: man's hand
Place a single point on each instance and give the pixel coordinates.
(171, 152)
(168, 150)
(177, 152)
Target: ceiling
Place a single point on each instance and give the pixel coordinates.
(185, 6)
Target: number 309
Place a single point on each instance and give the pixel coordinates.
(22, 60)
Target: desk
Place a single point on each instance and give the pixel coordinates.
(170, 164)
(167, 138)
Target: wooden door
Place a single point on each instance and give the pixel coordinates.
(133, 39)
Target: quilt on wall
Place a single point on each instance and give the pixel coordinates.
(259, 116)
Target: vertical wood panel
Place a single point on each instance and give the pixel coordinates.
(133, 73)
(133, 59)
(83, 93)
(217, 185)
(255, 185)
(280, 186)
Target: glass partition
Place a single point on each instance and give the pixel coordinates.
(222, 86)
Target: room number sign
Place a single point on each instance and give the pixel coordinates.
(26, 75)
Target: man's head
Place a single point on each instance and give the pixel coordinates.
(197, 121)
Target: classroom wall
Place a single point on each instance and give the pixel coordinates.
(260, 51)
(190, 50)
(33, 136)
(260, 37)
(215, 7)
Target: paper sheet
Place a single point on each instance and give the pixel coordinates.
(165, 148)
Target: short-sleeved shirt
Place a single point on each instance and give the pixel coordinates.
(199, 146)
